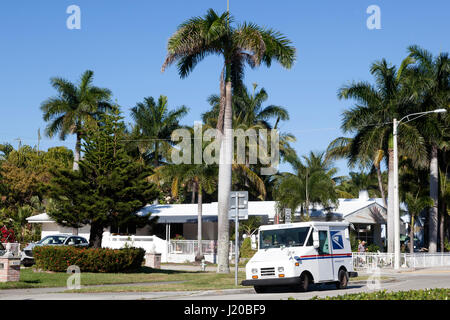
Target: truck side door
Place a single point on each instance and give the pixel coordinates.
(324, 259)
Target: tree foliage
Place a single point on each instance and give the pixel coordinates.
(109, 187)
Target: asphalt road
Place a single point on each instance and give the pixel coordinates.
(419, 279)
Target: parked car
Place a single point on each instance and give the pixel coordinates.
(52, 240)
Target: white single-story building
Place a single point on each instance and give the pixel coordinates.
(367, 217)
(173, 219)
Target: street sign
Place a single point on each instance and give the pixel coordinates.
(238, 211)
(242, 205)
(287, 215)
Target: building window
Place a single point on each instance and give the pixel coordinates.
(123, 229)
(364, 232)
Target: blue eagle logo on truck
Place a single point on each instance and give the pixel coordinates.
(336, 240)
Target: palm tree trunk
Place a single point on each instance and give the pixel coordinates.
(390, 207)
(199, 255)
(306, 197)
(193, 194)
(222, 102)
(155, 160)
(77, 153)
(434, 189)
(223, 248)
(411, 234)
(380, 185)
(441, 226)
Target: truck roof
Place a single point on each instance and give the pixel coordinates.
(304, 224)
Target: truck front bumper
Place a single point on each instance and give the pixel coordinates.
(272, 282)
(281, 281)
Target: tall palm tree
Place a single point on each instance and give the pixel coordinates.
(246, 44)
(154, 124)
(371, 121)
(74, 109)
(431, 76)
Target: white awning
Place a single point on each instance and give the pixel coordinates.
(40, 218)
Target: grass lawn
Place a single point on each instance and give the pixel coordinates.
(31, 279)
(192, 281)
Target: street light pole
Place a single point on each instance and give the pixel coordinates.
(396, 202)
(396, 184)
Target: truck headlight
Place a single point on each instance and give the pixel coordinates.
(254, 271)
(280, 269)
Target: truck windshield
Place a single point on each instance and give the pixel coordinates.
(292, 237)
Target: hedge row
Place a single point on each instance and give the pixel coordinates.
(427, 294)
(59, 258)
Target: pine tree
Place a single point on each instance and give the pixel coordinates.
(109, 187)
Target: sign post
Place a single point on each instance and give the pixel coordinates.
(238, 211)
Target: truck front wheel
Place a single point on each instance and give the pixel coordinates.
(304, 282)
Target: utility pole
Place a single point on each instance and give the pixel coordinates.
(396, 185)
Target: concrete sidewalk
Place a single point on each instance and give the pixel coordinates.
(193, 268)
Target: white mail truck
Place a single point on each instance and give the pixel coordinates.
(299, 254)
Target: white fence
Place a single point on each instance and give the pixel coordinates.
(148, 243)
(177, 251)
(371, 260)
(186, 250)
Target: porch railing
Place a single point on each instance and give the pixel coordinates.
(372, 260)
(189, 247)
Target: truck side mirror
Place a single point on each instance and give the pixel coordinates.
(315, 236)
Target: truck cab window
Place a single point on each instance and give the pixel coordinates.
(290, 237)
(323, 243)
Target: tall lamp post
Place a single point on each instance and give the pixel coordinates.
(410, 117)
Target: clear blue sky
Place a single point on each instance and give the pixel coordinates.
(124, 43)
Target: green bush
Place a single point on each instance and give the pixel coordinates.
(246, 248)
(446, 245)
(373, 248)
(427, 294)
(59, 258)
(353, 241)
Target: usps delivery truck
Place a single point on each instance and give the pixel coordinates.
(299, 254)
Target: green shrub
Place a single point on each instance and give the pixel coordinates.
(373, 248)
(446, 245)
(246, 250)
(353, 241)
(427, 294)
(59, 258)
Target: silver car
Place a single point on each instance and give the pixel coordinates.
(52, 240)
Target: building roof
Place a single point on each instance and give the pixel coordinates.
(187, 212)
(359, 210)
(40, 218)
